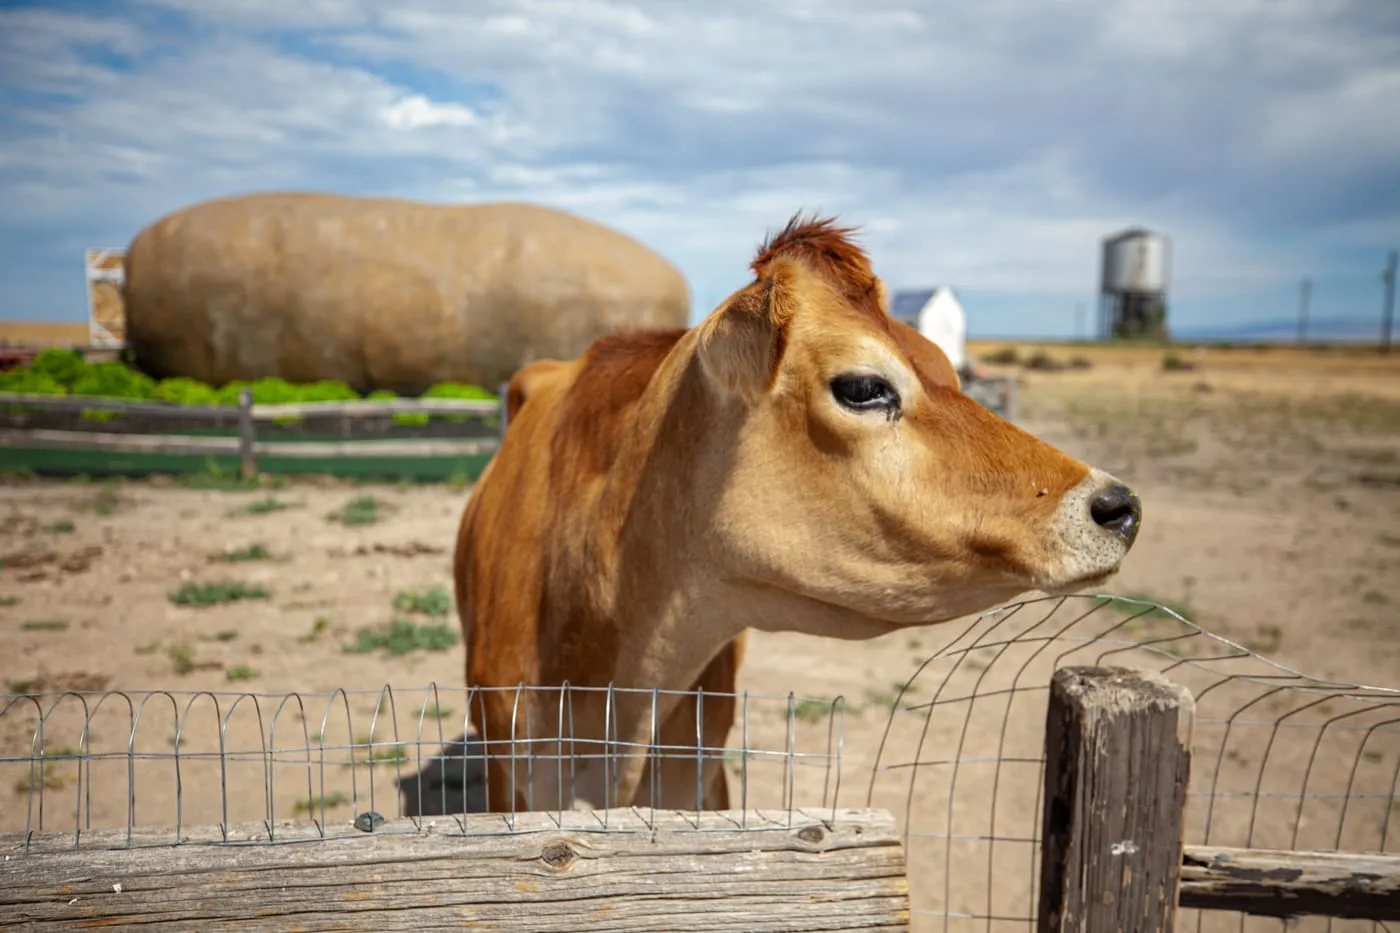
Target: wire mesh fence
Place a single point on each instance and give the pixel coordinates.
(1281, 759)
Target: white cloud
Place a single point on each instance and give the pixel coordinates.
(989, 146)
(415, 111)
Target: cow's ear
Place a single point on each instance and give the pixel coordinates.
(526, 379)
(740, 344)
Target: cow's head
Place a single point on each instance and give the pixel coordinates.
(857, 476)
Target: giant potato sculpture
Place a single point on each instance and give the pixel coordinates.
(382, 293)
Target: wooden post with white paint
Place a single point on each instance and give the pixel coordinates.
(247, 435)
(1118, 761)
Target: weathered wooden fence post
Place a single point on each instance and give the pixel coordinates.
(1118, 760)
(247, 435)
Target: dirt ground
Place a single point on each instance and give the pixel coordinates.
(1271, 484)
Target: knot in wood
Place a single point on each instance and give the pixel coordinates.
(558, 855)
(811, 834)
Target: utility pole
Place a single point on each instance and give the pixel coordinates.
(1304, 299)
(1388, 314)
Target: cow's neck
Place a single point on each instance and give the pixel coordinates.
(646, 560)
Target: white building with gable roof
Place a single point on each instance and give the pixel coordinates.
(938, 315)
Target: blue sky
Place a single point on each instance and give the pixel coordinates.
(987, 146)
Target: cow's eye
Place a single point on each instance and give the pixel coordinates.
(864, 393)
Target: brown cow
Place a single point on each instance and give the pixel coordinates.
(799, 461)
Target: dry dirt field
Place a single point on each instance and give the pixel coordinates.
(1271, 483)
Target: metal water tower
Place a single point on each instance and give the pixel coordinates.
(1135, 267)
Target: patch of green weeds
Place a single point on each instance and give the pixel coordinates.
(104, 502)
(240, 672)
(433, 711)
(361, 510)
(812, 710)
(218, 592)
(45, 773)
(403, 637)
(318, 628)
(379, 753)
(227, 635)
(45, 625)
(263, 506)
(215, 477)
(61, 528)
(434, 601)
(9, 600)
(887, 699)
(181, 657)
(239, 555)
(317, 804)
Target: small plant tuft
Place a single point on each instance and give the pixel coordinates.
(403, 637)
(213, 594)
(45, 625)
(434, 601)
(433, 711)
(362, 510)
(318, 628)
(239, 555)
(263, 506)
(316, 804)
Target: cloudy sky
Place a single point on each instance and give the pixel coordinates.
(983, 145)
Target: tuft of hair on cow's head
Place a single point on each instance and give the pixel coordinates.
(741, 346)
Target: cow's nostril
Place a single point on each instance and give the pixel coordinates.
(1118, 510)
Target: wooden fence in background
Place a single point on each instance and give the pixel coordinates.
(455, 437)
(254, 438)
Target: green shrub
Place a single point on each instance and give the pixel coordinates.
(459, 390)
(113, 380)
(327, 390)
(26, 380)
(182, 390)
(382, 395)
(274, 390)
(411, 419)
(63, 366)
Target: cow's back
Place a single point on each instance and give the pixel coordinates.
(498, 563)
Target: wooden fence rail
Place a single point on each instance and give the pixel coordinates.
(247, 446)
(343, 409)
(716, 871)
(1117, 766)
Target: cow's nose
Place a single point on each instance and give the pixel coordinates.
(1118, 510)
